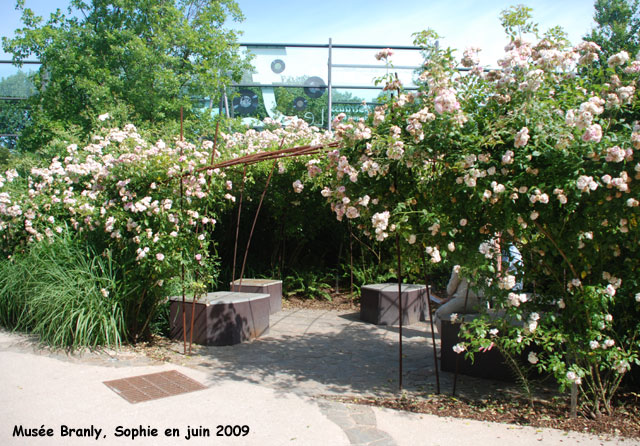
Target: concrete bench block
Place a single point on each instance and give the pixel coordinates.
(379, 303)
(265, 286)
(221, 318)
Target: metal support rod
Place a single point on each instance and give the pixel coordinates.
(351, 259)
(433, 335)
(336, 87)
(329, 85)
(255, 219)
(184, 315)
(226, 104)
(235, 246)
(338, 268)
(193, 315)
(455, 377)
(321, 45)
(399, 312)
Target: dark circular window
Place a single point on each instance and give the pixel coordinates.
(300, 103)
(314, 87)
(245, 102)
(278, 66)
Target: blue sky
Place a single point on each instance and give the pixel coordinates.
(461, 22)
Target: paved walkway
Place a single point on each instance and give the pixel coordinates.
(274, 385)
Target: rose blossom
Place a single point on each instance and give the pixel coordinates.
(522, 137)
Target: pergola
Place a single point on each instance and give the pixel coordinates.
(294, 152)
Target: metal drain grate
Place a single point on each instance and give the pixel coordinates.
(153, 386)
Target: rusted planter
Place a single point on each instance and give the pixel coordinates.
(221, 318)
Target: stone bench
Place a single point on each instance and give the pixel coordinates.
(379, 303)
(265, 286)
(221, 318)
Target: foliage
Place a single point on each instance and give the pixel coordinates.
(138, 60)
(67, 295)
(14, 113)
(121, 195)
(150, 208)
(539, 155)
(13, 116)
(293, 230)
(17, 85)
(618, 26)
(307, 284)
(516, 20)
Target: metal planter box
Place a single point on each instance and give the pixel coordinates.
(221, 318)
(379, 303)
(489, 365)
(266, 286)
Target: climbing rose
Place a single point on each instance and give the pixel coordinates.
(522, 137)
(297, 186)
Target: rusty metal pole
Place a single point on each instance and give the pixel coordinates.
(235, 246)
(255, 219)
(351, 260)
(193, 314)
(399, 312)
(455, 377)
(184, 303)
(433, 335)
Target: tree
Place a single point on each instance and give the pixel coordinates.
(16, 86)
(139, 60)
(13, 112)
(618, 26)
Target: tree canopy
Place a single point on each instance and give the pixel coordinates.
(139, 60)
(618, 26)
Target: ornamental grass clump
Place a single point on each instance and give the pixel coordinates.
(64, 293)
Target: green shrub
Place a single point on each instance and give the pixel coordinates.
(62, 292)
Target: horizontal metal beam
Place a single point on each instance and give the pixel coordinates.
(334, 87)
(325, 45)
(378, 67)
(36, 62)
(356, 103)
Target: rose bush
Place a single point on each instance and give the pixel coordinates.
(150, 207)
(122, 195)
(539, 155)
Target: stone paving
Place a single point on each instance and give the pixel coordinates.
(323, 352)
(317, 353)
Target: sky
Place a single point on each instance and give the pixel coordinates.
(462, 23)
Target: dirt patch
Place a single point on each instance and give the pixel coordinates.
(339, 301)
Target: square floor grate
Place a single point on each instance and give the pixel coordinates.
(153, 386)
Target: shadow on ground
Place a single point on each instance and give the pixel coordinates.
(317, 352)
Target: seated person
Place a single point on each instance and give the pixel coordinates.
(460, 299)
